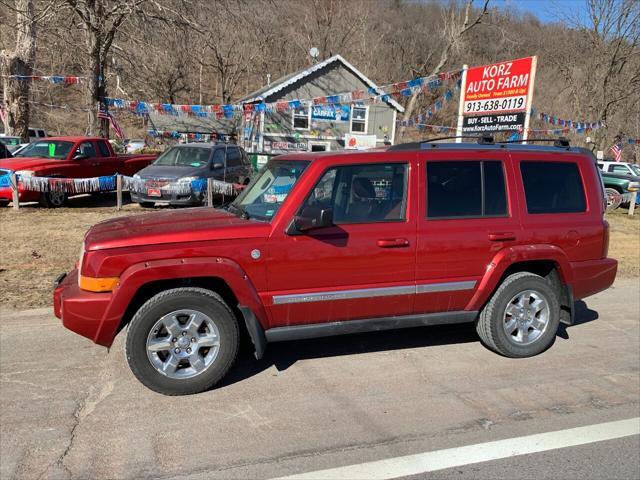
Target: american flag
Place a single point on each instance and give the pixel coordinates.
(616, 149)
(116, 128)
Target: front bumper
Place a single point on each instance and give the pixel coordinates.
(190, 199)
(6, 195)
(81, 312)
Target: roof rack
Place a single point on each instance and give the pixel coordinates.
(482, 140)
(560, 142)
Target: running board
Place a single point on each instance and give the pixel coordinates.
(317, 330)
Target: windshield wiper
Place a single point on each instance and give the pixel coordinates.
(241, 211)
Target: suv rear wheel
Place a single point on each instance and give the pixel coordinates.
(522, 317)
(182, 341)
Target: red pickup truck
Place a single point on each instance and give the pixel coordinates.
(66, 157)
(505, 237)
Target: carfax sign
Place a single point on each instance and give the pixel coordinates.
(330, 113)
(497, 97)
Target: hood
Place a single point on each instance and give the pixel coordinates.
(173, 226)
(26, 163)
(168, 172)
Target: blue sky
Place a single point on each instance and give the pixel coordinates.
(545, 10)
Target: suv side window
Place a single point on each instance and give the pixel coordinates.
(465, 189)
(233, 157)
(364, 193)
(218, 157)
(552, 187)
(104, 150)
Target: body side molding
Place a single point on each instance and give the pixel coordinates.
(317, 330)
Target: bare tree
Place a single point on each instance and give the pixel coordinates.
(19, 61)
(100, 21)
(454, 30)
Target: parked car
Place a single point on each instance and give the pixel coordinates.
(4, 151)
(66, 157)
(502, 236)
(619, 188)
(12, 143)
(622, 168)
(37, 133)
(133, 145)
(188, 162)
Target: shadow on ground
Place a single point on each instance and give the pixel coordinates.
(284, 355)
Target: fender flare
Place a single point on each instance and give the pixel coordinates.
(143, 273)
(521, 253)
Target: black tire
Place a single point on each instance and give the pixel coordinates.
(4, 204)
(147, 204)
(493, 315)
(54, 199)
(196, 299)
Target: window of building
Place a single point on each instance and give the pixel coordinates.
(301, 118)
(359, 118)
(363, 193)
(466, 189)
(553, 187)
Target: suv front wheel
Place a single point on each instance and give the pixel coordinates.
(182, 341)
(522, 317)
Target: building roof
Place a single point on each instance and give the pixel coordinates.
(263, 94)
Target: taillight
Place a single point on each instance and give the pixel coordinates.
(605, 239)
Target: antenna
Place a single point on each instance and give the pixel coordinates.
(314, 52)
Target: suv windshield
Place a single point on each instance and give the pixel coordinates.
(266, 194)
(46, 149)
(184, 157)
(636, 169)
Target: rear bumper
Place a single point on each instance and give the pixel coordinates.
(593, 276)
(81, 312)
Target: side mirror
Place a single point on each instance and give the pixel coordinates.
(217, 166)
(80, 156)
(313, 218)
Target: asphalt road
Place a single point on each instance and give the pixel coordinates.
(70, 409)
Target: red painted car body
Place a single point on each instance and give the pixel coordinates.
(469, 257)
(103, 162)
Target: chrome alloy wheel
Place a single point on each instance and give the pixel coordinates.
(183, 344)
(526, 317)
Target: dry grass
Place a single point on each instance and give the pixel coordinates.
(38, 244)
(624, 242)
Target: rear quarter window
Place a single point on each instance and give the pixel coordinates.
(552, 187)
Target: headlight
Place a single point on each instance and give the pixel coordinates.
(26, 173)
(187, 179)
(634, 186)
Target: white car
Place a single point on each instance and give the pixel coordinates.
(620, 167)
(134, 145)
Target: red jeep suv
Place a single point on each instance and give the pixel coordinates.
(504, 236)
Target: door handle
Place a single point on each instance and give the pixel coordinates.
(393, 242)
(502, 236)
(95, 164)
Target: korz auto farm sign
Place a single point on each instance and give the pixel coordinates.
(497, 97)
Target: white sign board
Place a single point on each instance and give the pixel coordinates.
(359, 142)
